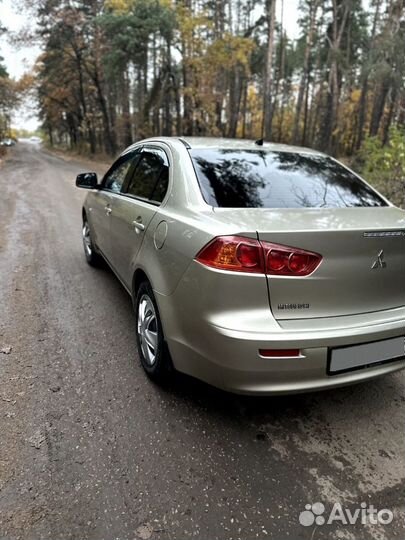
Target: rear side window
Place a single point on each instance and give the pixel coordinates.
(151, 176)
(232, 178)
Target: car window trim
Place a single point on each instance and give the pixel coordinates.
(141, 199)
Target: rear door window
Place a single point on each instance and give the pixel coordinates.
(232, 178)
(151, 176)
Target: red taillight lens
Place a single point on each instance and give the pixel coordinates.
(239, 254)
(276, 260)
(289, 261)
(233, 253)
(249, 256)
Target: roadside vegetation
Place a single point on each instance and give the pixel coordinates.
(6, 105)
(384, 164)
(11, 92)
(115, 71)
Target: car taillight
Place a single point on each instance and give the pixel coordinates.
(240, 254)
(234, 253)
(289, 261)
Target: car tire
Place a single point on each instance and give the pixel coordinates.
(152, 347)
(92, 257)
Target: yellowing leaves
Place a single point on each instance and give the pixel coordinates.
(229, 51)
(120, 7)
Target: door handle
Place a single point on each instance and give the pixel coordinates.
(108, 210)
(139, 226)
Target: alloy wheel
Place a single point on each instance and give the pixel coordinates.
(147, 329)
(86, 239)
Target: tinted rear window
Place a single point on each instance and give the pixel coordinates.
(258, 179)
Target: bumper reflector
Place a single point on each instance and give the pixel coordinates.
(280, 353)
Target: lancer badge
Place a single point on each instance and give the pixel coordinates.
(379, 263)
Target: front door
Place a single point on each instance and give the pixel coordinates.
(99, 210)
(105, 199)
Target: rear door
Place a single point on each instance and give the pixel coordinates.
(139, 201)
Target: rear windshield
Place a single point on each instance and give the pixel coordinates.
(232, 178)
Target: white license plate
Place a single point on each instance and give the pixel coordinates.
(357, 356)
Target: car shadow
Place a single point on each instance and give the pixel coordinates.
(387, 390)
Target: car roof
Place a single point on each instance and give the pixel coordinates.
(227, 143)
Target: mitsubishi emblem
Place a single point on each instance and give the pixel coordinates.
(379, 263)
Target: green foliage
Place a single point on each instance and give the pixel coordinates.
(128, 32)
(384, 166)
(7, 100)
(3, 70)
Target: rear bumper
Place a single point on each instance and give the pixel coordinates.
(231, 361)
(215, 334)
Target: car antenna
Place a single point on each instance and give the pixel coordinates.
(259, 142)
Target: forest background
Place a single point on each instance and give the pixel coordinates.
(112, 72)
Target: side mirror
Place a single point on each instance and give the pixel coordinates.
(87, 180)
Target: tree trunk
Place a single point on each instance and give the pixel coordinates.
(126, 110)
(365, 81)
(235, 97)
(328, 133)
(378, 106)
(305, 72)
(390, 116)
(268, 82)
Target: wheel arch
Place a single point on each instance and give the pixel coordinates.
(139, 277)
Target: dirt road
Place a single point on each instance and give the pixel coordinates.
(91, 449)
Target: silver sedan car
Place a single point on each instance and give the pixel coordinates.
(258, 268)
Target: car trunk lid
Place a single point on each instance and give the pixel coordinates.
(363, 265)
